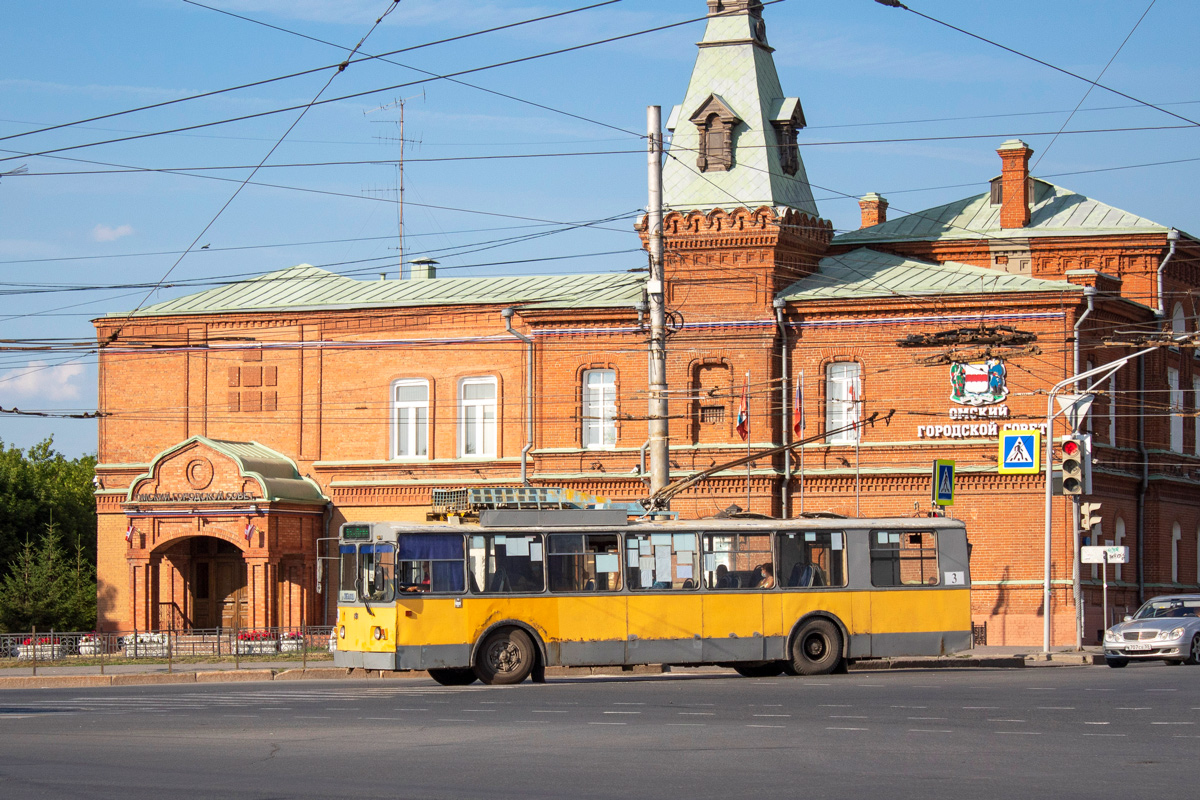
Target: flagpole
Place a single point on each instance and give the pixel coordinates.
(746, 395)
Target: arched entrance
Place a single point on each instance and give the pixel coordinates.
(202, 583)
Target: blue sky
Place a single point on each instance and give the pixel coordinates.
(863, 72)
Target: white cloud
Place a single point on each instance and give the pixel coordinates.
(42, 382)
(105, 233)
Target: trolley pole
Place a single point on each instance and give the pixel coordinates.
(660, 453)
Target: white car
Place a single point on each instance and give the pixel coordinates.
(1166, 628)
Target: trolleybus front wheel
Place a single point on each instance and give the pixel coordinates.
(817, 648)
(454, 677)
(506, 657)
(765, 669)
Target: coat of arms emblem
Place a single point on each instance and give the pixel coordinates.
(981, 384)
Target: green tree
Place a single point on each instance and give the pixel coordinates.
(48, 588)
(40, 486)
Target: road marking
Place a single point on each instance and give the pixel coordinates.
(629, 704)
(241, 716)
(410, 709)
(1095, 723)
(380, 719)
(927, 730)
(871, 685)
(1136, 708)
(1172, 723)
(928, 719)
(1006, 720)
(1105, 734)
(912, 708)
(541, 711)
(829, 705)
(1056, 708)
(1040, 688)
(772, 715)
(310, 717)
(766, 726)
(454, 720)
(608, 723)
(846, 716)
(1162, 690)
(847, 729)
(622, 712)
(981, 708)
(281, 708)
(686, 725)
(1020, 733)
(696, 714)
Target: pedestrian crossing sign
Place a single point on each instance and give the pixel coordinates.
(943, 482)
(1020, 452)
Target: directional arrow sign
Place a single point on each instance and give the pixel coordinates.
(1020, 452)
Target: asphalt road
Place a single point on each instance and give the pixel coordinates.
(1061, 732)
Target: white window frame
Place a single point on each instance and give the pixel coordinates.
(1176, 401)
(486, 433)
(843, 380)
(413, 423)
(600, 410)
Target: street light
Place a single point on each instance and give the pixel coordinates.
(1103, 372)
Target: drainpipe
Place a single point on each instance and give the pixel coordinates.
(507, 314)
(1144, 484)
(1090, 293)
(785, 429)
(642, 457)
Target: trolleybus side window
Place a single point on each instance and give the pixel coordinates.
(500, 563)
(735, 560)
(430, 562)
(376, 572)
(584, 562)
(348, 575)
(661, 561)
(904, 559)
(812, 559)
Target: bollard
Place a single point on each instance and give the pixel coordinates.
(304, 647)
(102, 644)
(33, 644)
(170, 650)
(237, 651)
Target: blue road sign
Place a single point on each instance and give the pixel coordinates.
(943, 482)
(1020, 452)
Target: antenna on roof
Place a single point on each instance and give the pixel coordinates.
(399, 189)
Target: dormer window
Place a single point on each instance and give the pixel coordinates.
(715, 122)
(789, 150)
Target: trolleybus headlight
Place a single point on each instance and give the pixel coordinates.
(378, 634)
(342, 632)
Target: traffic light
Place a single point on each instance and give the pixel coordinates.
(1089, 516)
(1076, 465)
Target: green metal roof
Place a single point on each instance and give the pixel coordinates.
(1056, 212)
(275, 473)
(740, 70)
(308, 287)
(866, 273)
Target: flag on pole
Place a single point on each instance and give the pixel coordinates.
(129, 534)
(798, 421)
(249, 530)
(743, 417)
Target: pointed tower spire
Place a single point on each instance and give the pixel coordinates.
(734, 136)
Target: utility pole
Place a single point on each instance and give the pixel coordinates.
(660, 443)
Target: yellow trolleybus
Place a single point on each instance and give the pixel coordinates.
(501, 600)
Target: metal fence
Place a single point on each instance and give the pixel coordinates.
(64, 648)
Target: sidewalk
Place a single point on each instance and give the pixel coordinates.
(157, 673)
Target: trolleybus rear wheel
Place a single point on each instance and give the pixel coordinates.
(765, 669)
(454, 677)
(817, 648)
(506, 657)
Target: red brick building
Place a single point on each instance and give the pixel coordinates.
(244, 423)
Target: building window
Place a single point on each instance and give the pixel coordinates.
(789, 150)
(1112, 414)
(600, 409)
(843, 390)
(1178, 320)
(477, 418)
(715, 123)
(410, 419)
(1196, 420)
(1176, 401)
(1176, 536)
